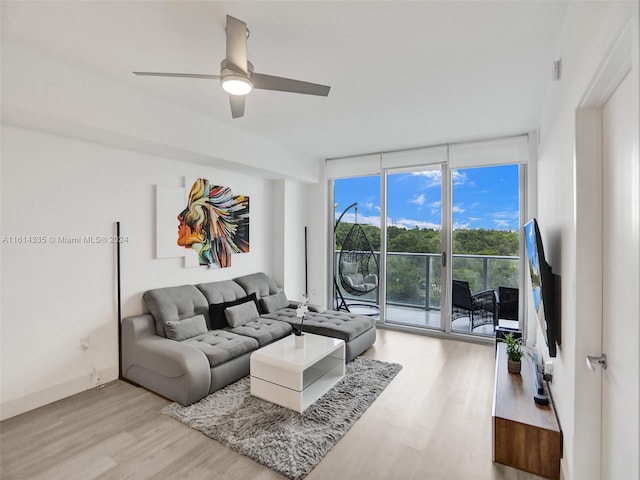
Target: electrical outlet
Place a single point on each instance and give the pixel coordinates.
(84, 343)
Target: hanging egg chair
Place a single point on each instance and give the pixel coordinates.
(357, 265)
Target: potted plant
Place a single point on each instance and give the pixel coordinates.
(300, 312)
(514, 353)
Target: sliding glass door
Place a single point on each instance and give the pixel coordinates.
(442, 229)
(414, 246)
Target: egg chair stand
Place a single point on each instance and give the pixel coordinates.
(357, 266)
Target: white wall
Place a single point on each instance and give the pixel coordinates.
(589, 30)
(295, 219)
(53, 294)
(320, 244)
(278, 231)
(81, 151)
(64, 98)
(289, 216)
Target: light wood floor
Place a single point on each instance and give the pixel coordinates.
(432, 422)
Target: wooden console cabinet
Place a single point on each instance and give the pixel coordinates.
(525, 435)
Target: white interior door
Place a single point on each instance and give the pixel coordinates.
(621, 287)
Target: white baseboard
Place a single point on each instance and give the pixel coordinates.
(31, 401)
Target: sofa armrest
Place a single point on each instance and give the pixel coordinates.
(162, 358)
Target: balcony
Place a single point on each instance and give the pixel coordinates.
(414, 286)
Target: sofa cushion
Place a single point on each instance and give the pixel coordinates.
(264, 330)
(259, 283)
(241, 314)
(330, 323)
(220, 346)
(273, 303)
(217, 317)
(171, 304)
(186, 328)
(220, 292)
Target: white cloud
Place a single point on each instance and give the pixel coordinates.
(507, 219)
(435, 208)
(501, 223)
(458, 177)
(350, 217)
(433, 177)
(410, 224)
(419, 200)
(364, 211)
(457, 209)
(433, 174)
(396, 222)
(513, 215)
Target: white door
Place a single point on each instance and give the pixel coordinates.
(621, 288)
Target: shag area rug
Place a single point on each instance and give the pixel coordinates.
(281, 439)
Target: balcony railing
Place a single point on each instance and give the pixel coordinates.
(413, 279)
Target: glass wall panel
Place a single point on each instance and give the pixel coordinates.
(485, 245)
(414, 246)
(357, 244)
(431, 254)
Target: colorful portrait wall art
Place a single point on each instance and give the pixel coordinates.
(214, 224)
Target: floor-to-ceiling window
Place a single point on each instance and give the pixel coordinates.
(356, 213)
(414, 246)
(442, 223)
(485, 245)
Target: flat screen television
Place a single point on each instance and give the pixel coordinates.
(545, 287)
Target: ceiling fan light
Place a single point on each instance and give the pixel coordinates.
(236, 85)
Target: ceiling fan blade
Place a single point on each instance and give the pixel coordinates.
(236, 45)
(184, 75)
(270, 82)
(237, 105)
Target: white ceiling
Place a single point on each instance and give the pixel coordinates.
(402, 74)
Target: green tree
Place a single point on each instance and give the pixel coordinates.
(485, 242)
(427, 240)
(406, 274)
(403, 279)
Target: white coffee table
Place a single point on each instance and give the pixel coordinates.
(296, 377)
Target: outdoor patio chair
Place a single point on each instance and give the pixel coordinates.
(507, 303)
(481, 307)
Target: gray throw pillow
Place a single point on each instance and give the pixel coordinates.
(348, 267)
(185, 328)
(241, 314)
(274, 302)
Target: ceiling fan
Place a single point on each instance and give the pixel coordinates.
(237, 76)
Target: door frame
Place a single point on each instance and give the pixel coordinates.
(445, 218)
(588, 241)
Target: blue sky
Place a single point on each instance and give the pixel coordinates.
(485, 197)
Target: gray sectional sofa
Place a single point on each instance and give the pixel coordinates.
(195, 339)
